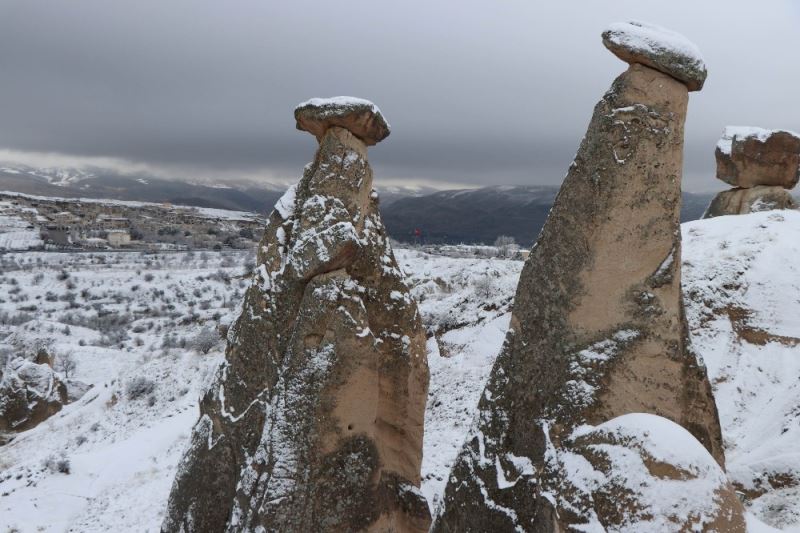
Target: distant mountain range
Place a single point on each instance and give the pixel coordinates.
(480, 215)
(453, 216)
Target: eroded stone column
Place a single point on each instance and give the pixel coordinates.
(598, 329)
(314, 421)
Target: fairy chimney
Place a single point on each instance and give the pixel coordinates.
(314, 421)
(598, 329)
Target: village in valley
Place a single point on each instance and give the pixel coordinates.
(46, 223)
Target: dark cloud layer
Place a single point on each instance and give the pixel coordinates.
(476, 92)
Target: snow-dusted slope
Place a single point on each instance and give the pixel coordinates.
(465, 303)
(742, 290)
(16, 233)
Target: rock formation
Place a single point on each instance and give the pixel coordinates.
(314, 420)
(743, 201)
(641, 472)
(762, 165)
(598, 329)
(30, 392)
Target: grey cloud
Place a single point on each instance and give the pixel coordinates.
(476, 92)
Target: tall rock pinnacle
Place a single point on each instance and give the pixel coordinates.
(598, 330)
(314, 421)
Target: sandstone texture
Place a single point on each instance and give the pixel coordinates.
(360, 117)
(743, 201)
(749, 157)
(598, 328)
(658, 48)
(30, 393)
(314, 421)
(640, 472)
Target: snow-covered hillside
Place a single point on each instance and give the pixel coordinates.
(135, 324)
(16, 233)
(742, 289)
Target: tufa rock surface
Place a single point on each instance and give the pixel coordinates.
(598, 328)
(640, 472)
(314, 420)
(748, 157)
(360, 117)
(658, 48)
(743, 201)
(30, 393)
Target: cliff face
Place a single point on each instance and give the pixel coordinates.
(315, 419)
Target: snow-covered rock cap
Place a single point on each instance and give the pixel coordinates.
(748, 157)
(361, 117)
(741, 133)
(659, 48)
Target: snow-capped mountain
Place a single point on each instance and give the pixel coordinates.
(58, 176)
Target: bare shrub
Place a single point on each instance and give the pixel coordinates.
(205, 340)
(138, 387)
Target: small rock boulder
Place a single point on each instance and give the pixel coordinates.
(658, 48)
(360, 117)
(29, 394)
(743, 201)
(639, 472)
(748, 157)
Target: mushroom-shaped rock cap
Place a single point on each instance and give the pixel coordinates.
(361, 117)
(658, 48)
(748, 156)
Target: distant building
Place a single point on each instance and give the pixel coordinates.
(118, 238)
(57, 234)
(108, 222)
(65, 218)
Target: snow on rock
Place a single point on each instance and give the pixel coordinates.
(659, 48)
(285, 204)
(651, 471)
(741, 282)
(749, 157)
(361, 117)
(731, 133)
(335, 103)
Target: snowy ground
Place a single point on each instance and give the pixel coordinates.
(742, 289)
(15, 232)
(742, 296)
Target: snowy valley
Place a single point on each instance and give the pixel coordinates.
(144, 332)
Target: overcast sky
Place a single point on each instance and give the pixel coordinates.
(490, 92)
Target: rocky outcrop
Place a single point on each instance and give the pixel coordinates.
(743, 201)
(30, 393)
(749, 157)
(314, 421)
(598, 329)
(640, 472)
(762, 165)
